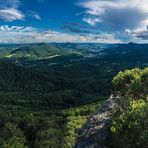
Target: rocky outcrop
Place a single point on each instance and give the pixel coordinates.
(94, 134)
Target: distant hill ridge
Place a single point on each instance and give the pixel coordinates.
(39, 50)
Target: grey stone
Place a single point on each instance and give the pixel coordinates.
(94, 133)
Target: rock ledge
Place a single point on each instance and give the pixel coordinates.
(94, 133)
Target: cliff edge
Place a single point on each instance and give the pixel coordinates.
(94, 134)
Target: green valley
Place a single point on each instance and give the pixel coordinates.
(48, 91)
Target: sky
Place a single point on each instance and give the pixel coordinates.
(96, 21)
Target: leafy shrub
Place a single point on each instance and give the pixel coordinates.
(130, 129)
(129, 121)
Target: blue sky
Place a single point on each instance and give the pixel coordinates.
(99, 21)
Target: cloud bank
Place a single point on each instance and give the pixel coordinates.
(98, 21)
(118, 15)
(21, 34)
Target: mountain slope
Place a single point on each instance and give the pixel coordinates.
(37, 51)
(14, 78)
(54, 89)
(130, 52)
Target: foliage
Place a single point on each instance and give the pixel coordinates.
(129, 124)
(22, 128)
(56, 89)
(12, 136)
(130, 128)
(132, 82)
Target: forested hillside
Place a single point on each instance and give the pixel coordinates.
(54, 89)
(38, 51)
(33, 108)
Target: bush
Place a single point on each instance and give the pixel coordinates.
(130, 129)
(129, 121)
